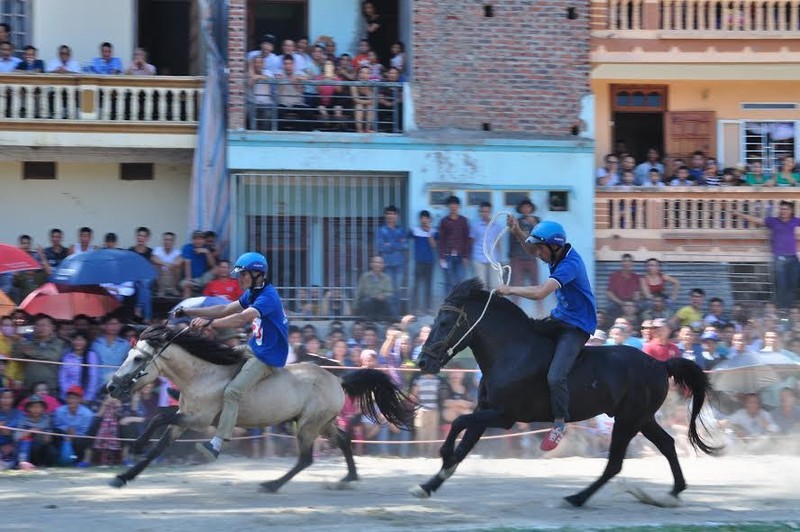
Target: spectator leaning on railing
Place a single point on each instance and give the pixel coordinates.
(63, 63)
(784, 249)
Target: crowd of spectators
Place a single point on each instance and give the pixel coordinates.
(622, 169)
(27, 61)
(642, 312)
(193, 269)
(282, 97)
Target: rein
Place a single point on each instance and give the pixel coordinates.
(152, 357)
(503, 274)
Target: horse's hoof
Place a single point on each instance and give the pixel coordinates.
(667, 501)
(419, 492)
(269, 487)
(574, 501)
(117, 482)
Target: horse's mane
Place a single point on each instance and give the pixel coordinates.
(473, 289)
(194, 343)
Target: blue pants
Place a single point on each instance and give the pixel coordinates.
(144, 298)
(786, 271)
(396, 274)
(569, 341)
(454, 273)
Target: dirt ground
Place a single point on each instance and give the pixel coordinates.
(484, 493)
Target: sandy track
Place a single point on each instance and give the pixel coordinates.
(484, 493)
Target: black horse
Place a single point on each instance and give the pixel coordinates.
(620, 381)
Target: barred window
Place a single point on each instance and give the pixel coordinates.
(16, 13)
(768, 143)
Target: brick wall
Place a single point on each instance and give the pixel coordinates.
(237, 42)
(524, 69)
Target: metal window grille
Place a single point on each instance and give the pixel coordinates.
(317, 230)
(768, 143)
(17, 14)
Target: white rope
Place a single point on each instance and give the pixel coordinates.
(503, 274)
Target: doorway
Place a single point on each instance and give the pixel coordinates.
(285, 19)
(638, 114)
(164, 31)
(639, 132)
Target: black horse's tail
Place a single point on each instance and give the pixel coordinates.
(378, 395)
(690, 378)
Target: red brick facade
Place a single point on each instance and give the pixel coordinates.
(237, 80)
(523, 69)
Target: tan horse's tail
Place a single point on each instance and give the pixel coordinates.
(379, 397)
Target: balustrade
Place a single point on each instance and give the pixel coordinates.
(154, 100)
(704, 15)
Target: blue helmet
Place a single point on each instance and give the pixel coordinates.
(251, 262)
(548, 233)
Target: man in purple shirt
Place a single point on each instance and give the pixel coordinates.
(454, 245)
(784, 250)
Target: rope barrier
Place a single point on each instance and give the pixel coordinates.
(405, 369)
(387, 442)
(271, 435)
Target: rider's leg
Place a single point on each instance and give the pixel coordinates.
(569, 345)
(253, 371)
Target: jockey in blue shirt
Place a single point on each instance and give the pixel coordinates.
(267, 348)
(571, 322)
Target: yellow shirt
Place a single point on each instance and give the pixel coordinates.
(13, 369)
(690, 317)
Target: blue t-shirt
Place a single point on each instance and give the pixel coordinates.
(576, 304)
(270, 338)
(423, 252)
(198, 260)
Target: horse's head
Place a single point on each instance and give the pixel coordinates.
(452, 330)
(138, 370)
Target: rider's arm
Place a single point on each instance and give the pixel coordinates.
(215, 312)
(540, 291)
(235, 321)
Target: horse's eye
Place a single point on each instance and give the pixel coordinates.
(138, 358)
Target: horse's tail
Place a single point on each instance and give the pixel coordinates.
(378, 395)
(692, 379)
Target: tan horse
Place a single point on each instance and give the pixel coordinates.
(304, 393)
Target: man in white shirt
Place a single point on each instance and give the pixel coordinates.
(169, 260)
(480, 229)
(64, 64)
(8, 63)
(273, 64)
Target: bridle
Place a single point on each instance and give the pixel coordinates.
(141, 371)
(462, 316)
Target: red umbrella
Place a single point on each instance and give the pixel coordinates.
(62, 302)
(13, 259)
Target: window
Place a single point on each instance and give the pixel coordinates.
(136, 171)
(38, 170)
(633, 98)
(16, 13)
(768, 143)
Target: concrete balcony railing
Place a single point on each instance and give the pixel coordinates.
(700, 18)
(689, 223)
(60, 102)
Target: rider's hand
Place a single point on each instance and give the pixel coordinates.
(503, 290)
(512, 222)
(200, 323)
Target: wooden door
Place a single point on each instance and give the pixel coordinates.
(686, 132)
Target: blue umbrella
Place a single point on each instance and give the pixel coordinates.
(104, 266)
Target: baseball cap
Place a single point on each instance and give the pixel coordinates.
(75, 390)
(197, 233)
(709, 336)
